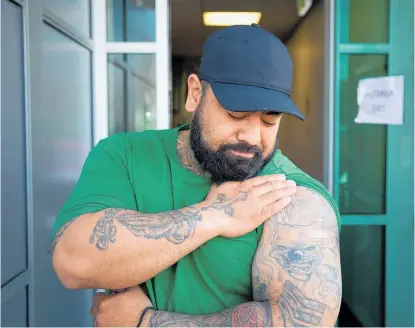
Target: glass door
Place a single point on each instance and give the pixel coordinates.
(131, 66)
(373, 164)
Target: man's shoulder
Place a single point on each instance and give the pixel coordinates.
(132, 140)
(279, 163)
(311, 191)
(309, 207)
(309, 216)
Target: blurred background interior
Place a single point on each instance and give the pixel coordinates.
(76, 71)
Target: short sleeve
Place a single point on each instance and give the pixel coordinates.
(104, 182)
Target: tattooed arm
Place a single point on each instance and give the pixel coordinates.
(101, 250)
(296, 274)
(297, 264)
(253, 314)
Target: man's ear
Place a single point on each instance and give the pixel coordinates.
(194, 93)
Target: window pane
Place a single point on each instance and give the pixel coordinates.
(13, 144)
(143, 104)
(363, 274)
(116, 99)
(131, 20)
(115, 20)
(140, 88)
(76, 13)
(362, 146)
(368, 21)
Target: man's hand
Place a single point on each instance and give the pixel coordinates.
(119, 310)
(243, 206)
(115, 248)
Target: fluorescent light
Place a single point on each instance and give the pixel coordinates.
(303, 6)
(228, 18)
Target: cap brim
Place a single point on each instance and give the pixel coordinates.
(246, 98)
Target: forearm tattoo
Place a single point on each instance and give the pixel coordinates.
(253, 314)
(175, 226)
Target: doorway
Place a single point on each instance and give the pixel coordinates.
(368, 167)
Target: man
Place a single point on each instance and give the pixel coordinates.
(209, 225)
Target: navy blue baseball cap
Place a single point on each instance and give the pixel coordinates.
(249, 69)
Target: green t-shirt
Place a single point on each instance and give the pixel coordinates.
(142, 171)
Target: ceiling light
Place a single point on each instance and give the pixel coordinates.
(230, 18)
(303, 6)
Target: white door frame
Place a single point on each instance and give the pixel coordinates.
(161, 49)
(329, 83)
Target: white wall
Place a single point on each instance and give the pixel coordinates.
(303, 142)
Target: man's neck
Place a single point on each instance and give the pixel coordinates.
(186, 156)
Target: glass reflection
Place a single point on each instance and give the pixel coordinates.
(76, 13)
(131, 20)
(362, 146)
(135, 108)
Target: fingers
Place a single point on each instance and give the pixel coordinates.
(288, 190)
(94, 310)
(270, 186)
(276, 207)
(98, 298)
(250, 183)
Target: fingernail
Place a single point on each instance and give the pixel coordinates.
(281, 176)
(292, 183)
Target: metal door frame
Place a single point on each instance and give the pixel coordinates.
(398, 219)
(23, 279)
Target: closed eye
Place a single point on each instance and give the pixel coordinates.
(237, 116)
(269, 123)
(270, 118)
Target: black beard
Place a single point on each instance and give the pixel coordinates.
(222, 165)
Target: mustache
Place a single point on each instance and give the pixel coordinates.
(242, 147)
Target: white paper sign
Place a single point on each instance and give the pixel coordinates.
(380, 100)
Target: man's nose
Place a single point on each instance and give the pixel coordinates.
(250, 131)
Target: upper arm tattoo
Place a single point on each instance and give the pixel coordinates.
(58, 235)
(297, 310)
(297, 263)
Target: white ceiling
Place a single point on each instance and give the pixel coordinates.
(188, 32)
